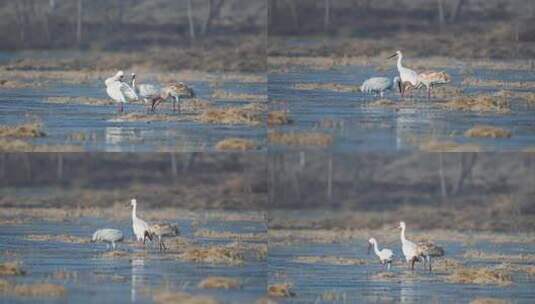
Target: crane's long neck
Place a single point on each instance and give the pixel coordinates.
(134, 212)
(400, 57)
(403, 239)
(375, 248)
(134, 83)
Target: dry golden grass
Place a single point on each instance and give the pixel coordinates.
(382, 103)
(64, 238)
(487, 131)
(327, 86)
(479, 103)
(446, 265)
(225, 95)
(11, 269)
(62, 275)
(27, 130)
(265, 300)
(447, 91)
(275, 118)
(333, 296)
(471, 81)
(248, 115)
(168, 297)
(14, 84)
(528, 97)
(120, 254)
(233, 143)
(213, 255)
(480, 276)
(385, 277)
(300, 139)
(17, 145)
(79, 100)
(332, 260)
(517, 258)
(147, 117)
(489, 301)
(280, 290)
(194, 105)
(219, 282)
(230, 235)
(434, 145)
(32, 290)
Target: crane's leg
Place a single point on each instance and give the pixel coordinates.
(429, 262)
(113, 245)
(412, 263)
(164, 247)
(389, 265)
(107, 246)
(178, 103)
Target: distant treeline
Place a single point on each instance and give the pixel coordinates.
(385, 17)
(115, 24)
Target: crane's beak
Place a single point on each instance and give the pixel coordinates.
(392, 56)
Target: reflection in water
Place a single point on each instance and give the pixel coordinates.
(407, 290)
(119, 135)
(137, 278)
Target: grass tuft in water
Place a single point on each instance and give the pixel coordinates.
(235, 144)
(219, 283)
(480, 276)
(11, 269)
(300, 139)
(281, 290)
(27, 130)
(278, 118)
(487, 131)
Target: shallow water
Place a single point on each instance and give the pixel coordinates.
(118, 280)
(96, 121)
(354, 284)
(362, 128)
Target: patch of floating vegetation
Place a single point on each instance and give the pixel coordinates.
(382, 103)
(281, 290)
(27, 130)
(231, 235)
(487, 131)
(170, 297)
(32, 289)
(446, 264)
(528, 97)
(213, 255)
(332, 260)
(64, 238)
(194, 105)
(250, 114)
(275, 118)
(471, 81)
(79, 100)
(300, 138)
(225, 95)
(235, 144)
(480, 276)
(518, 258)
(11, 269)
(434, 145)
(146, 117)
(219, 283)
(327, 87)
(14, 84)
(17, 145)
(489, 301)
(122, 254)
(479, 103)
(447, 91)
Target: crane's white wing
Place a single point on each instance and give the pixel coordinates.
(127, 91)
(114, 91)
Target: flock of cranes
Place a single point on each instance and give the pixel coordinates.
(421, 251)
(142, 231)
(122, 92)
(408, 79)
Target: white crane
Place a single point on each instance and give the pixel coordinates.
(119, 91)
(175, 91)
(146, 91)
(139, 225)
(385, 255)
(162, 230)
(427, 250)
(410, 250)
(406, 74)
(109, 236)
(378, 85)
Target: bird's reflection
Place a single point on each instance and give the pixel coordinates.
(137, 278)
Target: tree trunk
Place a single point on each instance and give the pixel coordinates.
(441, 17)
(456, 10)
(443, 186)
(79, 22)
(190, 21)
(213, 12)
(327, 17)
